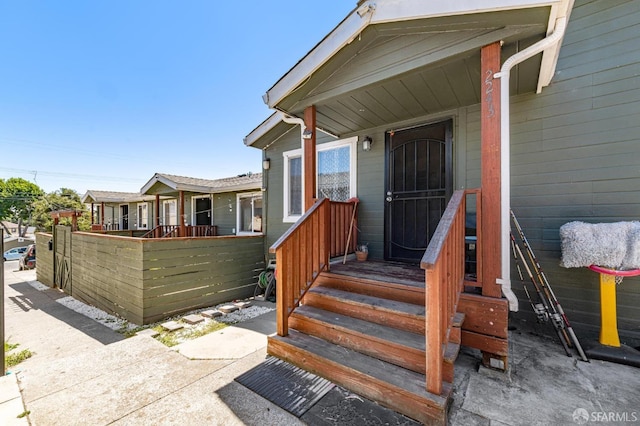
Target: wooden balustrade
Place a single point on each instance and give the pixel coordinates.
(301, 254)
(172, 231)
(443, 262)
(342, 214)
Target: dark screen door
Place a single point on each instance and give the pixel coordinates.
(418, 186)
(203, 211)
(124, 213)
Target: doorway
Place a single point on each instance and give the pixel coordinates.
(202, 211)
(419, 184)
(124, 216)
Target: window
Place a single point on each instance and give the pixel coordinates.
(170, 212)
(336, 175)
(336, 170)
(249, 213)
(293, 193)
(143, 216)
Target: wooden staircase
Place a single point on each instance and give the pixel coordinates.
(368, 335)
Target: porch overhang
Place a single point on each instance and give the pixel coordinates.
(367, 72)
(163, 184)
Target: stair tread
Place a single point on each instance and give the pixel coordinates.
(402, 379)
(376, 303)
(375, 331)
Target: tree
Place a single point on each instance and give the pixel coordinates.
(17, 196)
(62, 199)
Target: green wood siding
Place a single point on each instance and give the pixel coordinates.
(107, 273)
(146, 280)
(576, 150)
(184, 274)
(44, 259)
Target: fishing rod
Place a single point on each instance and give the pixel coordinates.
(548, 290)
(541, 309)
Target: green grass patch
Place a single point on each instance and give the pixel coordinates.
(9, 346)
(172, 338)
(11, 359)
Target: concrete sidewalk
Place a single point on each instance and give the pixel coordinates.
(86, 374)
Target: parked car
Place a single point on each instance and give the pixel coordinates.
(28, 259)
(14, 253)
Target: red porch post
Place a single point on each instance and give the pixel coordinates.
(310, 158)
(490, 170)
(157, 216)
(183, 228)
(494, 346)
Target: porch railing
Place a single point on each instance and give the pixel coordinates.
(444, 265)
(343, 221)
(303, 252)
(171, 231)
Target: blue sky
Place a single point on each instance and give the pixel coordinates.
(102, 94)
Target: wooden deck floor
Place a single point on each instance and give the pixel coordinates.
(395, 272)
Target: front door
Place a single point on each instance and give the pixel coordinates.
(203, 211)
(419, 183)
(124, 214)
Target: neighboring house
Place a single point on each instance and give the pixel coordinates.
(233, 205)
(10, 227)
(404, 104)
(181, 243)
(115, 211)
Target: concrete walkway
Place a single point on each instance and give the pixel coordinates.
(83, 373)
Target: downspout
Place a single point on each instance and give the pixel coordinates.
(505, 190)
(295, 120)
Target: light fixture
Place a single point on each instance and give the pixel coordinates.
(307, 134)
(365, 8)
(366, 143)
(266, 163)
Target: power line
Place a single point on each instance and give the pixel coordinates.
(76, 176)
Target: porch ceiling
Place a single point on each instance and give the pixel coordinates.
(397, 71)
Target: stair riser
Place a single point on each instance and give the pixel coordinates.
(414, 324)
(398, 399)
(403, 356)
(374, 288)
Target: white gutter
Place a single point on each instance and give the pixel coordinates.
(505, 193)
(295, 120)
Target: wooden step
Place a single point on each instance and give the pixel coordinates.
(384, 289)
(394, 387)
(392, 313)
(398, 347)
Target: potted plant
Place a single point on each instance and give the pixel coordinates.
(362, 252)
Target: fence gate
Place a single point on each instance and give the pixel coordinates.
(62, 258)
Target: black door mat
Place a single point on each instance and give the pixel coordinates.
(286, 385)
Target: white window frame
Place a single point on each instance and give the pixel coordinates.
(163, 216)
(286, 217)
(352, 142)
(353, 163)
(193, 208)
(139, 217)
(239, 197)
